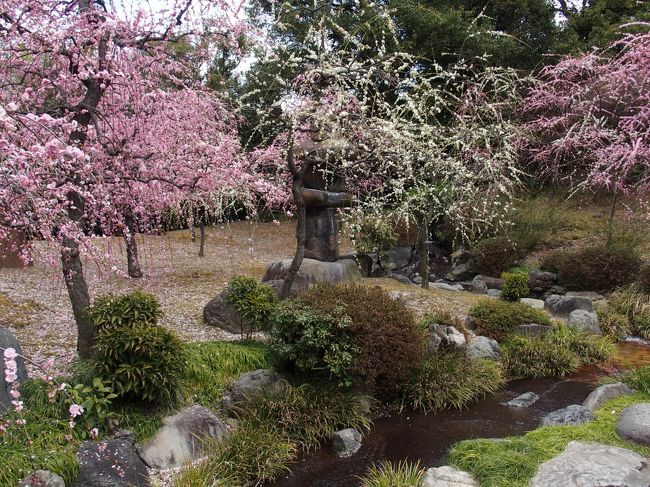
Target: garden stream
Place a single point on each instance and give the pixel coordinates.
(427, 438)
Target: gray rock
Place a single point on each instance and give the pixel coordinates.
(559, 290)
(586, 321)
(447, 336)
(587, 294)
(569, 416)
(540, 282)
(260, 382)
(448, 477)
(602, 394)
(483, 347)
(494, 293)
(634, 424)
(417, 280)
(400, 278)
(396, 257)
(444, 286)
(312, 271)
(221, 314)
(532, 330)
(346, 442)
(42, 478)
(524, 400)
(297, 287)
(462, 266)
(8, 340)
(364, 262)
(181, 438)
(593, 465)
(492, 282)
(111, 463)
(479, 286)
(533, 303)
(564, 305)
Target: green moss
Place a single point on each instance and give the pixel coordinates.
(512, 462)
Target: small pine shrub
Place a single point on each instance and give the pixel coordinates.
(613, 324)
(494, 255)
(515, 285)
(390, 344)
(142, 362)
(644, 278)
(525, 358)
(597, 268)
(387, 474)
(450, 379)
(312, 341)
(130, 309)
(254, 302)
(497, 319)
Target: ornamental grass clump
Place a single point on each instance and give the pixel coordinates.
(613, 324)
(525, 358)
(497, 319)
(388, 474)
(634, 304)
(450, 379)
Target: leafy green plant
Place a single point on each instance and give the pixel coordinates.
(390, 344)
(253, 301)
(450, 379)
(142, 362)
(129, 309)
(497, 319)
(515, 285)
(314, 342)
(387, 474)
(597, 268)
(526, 358)
(96, 400)
(494, 255)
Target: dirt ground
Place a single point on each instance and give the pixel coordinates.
(34, 303)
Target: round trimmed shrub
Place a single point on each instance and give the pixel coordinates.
(390, 345)
(596, 268)
(515, 285)
(496, 319)
(128, 309)
(143, 362)
(494, 255)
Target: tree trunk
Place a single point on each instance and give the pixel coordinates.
(297, 185)
(133, 262)
(610, 221)
(79, 298)
(423, 235)
(202, 238)
(192, 230)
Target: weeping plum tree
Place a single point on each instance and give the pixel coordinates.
(77, 83)
(589, 120)
(405, 140)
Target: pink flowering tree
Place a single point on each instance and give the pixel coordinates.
(88, 98)
(589, 120)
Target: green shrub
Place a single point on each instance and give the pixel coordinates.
(515, 285)
(129, 309)
(450, 379)
(253, 301)
(613, 324)
(96, 400)
(597, 268)
(526, 358)
(314, 342)
(644, 278)
(390, 344)
(387, 474)
(375, 235)
(142, 362)
(494, 255)
(497, 319)
(636, 306)
(587, 347)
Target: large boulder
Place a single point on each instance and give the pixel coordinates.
(492, 282)
(42, 478)
(540, 282)
(8, 340)
(218, 312)
(593, 465)
(483, 347)
(463, 266)
(634, 424)
(479, 286)
(396, 257)
(251, 385)
(586, 321)
(448, 477)
(533, 303)
(602, 394)
(569, 416)
(564, 305)
(111, 463)
(181, 438)
(346, 442)
(446, 336)
(313, 271)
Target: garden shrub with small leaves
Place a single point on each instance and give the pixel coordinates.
(129, 309)
(497, 319)
(515, 285)
(494, 255)
(254, 302)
